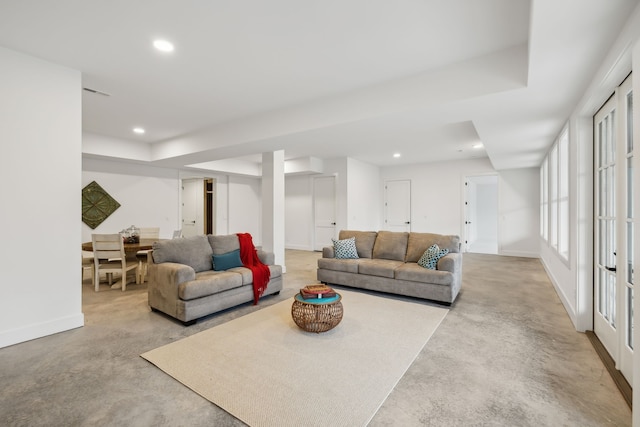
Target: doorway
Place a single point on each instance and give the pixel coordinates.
(613, 228)
(481, 214)
(198, 206)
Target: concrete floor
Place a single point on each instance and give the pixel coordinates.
(506, 355)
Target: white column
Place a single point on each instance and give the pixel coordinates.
(41, 116)
(273, 205)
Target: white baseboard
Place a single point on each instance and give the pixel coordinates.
(298, 247)
(38, 330)
(522, 254)
(563, 298)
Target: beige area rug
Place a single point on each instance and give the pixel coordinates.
(264, 370)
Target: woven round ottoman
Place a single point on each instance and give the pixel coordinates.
(318, 315)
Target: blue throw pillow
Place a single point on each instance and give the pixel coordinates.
(345, 249)
(226, 261)
(430, 257)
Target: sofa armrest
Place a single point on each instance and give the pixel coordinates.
(327, 252)
(170, 273)
(163, 287)
(267, 258)
(450, 262)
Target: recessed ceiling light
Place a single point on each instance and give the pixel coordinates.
(478, 145)
(139, 131)
(396, 155)
(163, 45)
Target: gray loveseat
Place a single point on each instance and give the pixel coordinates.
(184, 285)
(388, 262)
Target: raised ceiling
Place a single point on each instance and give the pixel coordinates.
(337, 78)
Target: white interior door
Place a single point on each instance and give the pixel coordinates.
(192, 207)
(481, 214)
(613, 216)
(397, 205)
(324, 208)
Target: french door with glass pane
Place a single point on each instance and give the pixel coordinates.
(613, 237)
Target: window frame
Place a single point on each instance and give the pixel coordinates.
(555, 209)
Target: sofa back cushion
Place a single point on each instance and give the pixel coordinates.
(193, 251)
(420, 242)
(364, 241)
(224, 244)
(391, 245)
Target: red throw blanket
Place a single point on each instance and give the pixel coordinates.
(249, 257)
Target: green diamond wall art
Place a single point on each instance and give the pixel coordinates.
(97, 205)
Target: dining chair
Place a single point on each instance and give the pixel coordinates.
(145, 233)
(87, 264)
(109, 257)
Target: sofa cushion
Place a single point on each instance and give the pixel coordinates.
(431, 256)
(364, 241)
(379, 267)
(420, 242)
(247, 276)
(346, 265)
(345, 249)
(209, 283)
(226, 261)
(193, 251)
(391, 245)
(412, 272)
(224, 244)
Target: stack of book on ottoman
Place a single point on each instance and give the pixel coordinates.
(317, 291)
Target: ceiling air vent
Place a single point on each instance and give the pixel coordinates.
(97, 92)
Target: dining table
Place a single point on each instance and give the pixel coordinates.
(129, 248)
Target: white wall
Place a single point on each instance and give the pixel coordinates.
(437, 201)
(573, 280)
(299, 212)
(40, 112)
(436, 192)
(357, 200)
(518, 212)
(364, 195)
(245, 207)
(148, 196)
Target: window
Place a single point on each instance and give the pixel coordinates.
(563, 195)
(544, 199)
(554, 196)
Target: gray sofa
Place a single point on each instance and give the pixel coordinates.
(183, 282)
(388, 263)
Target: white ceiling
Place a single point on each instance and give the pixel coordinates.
(331, 78)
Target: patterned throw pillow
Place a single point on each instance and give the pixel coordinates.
(345, 249)
(430, 257)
